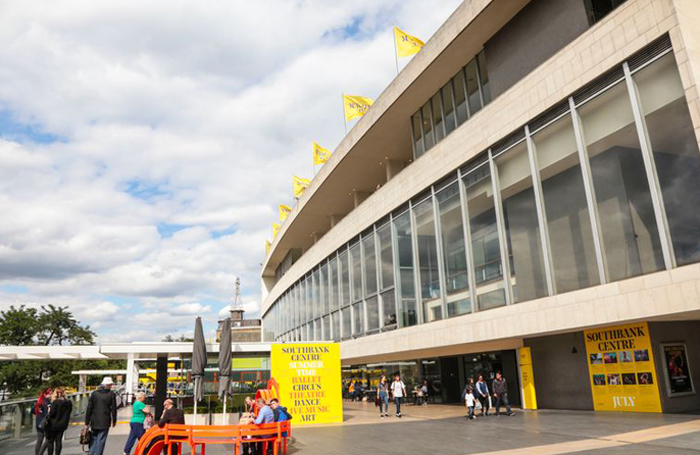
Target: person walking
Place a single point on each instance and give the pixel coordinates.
(383, 396)
(500, 392)
(425, 391)
(482, 394)
(58, 418)
(101, 414)
(469, 390)
(398, 390)
(138, 417)
(41, 409)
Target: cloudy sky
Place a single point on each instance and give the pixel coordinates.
(145, 145)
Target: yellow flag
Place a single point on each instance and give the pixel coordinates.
(300, 185)
(356, 106)
(284, 212)
(267, 246)
(275, 229)
(406, 45)
(321, 155)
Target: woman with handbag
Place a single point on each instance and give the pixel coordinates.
(138, 422)
(383, 397)
(57, 420)
(41, 408)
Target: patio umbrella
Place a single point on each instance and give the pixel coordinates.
(199, 362)
(225, 362)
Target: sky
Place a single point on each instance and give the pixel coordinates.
(145, 146)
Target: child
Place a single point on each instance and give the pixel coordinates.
(470, 401)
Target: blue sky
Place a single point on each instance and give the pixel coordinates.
(145, 146)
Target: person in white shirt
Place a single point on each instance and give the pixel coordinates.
(398, 390)
(470, 402)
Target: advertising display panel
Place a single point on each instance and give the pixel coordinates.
(621, 369)
(678, 380)
(527, 378)
(308, 375)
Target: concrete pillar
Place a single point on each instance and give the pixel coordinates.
(335, 219)
(17, 421)
(359, 196)
(82, 383)
(393, 167)
(161, 383)
(132, 377)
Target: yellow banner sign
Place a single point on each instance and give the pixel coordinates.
(527, 379)
(309, 381)
(621, 366)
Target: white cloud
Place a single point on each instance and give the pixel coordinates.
(177, 126)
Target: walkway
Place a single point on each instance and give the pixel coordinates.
(436, 429)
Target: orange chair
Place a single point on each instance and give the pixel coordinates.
(265, 434)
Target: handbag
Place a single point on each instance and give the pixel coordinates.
(85, 437)
(148, 422)
(377, 401)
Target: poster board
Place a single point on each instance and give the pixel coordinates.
(309, 381)
(621, 369)
(676, 369)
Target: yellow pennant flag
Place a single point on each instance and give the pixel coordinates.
(284, 212)
(406, 45)
(275, 229)
(267, 246)
(300, 185)
(356, 106)
(321, 155)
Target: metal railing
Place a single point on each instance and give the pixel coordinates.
(17, 419)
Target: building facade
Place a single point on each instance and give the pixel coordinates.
(524, 197)
(243, 330)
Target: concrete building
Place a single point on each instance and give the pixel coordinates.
(537, 212)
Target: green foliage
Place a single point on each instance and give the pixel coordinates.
(180, 339)
(47, 326)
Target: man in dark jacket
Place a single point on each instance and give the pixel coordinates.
(101, 414)
(500, 392)
(171, 414)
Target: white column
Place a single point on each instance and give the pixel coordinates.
(131, 376)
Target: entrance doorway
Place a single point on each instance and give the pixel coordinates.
(449, 369)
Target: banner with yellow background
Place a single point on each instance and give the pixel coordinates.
(309, 381)
(621, 369)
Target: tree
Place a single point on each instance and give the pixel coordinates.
(48, 326)
(181, 339)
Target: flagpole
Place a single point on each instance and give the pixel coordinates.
(396, 51)
(345, 122)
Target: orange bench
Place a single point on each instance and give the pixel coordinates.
(153, 441)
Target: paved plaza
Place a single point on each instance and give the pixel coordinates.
(436, 429)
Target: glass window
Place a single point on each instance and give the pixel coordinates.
(315, 296)
(347, 323)
(323, 276)
(676, 153)
(460, 89)
(417, 134)
(386, 257)
(428, 138)
(484, 78)
(372, 313)
(473, 88)
(344, 278)
(437, 118)
(327, 327)
(388, 309)
(358, 327)
(521, 225)
(318, 336)
(453, 251)
(404, 246)
(570, 236)
(428, 261)
(598, 9)
(630, 238)
(333, 285)
(356, 265)
(370, 259)
(336, 325)
(448, 108)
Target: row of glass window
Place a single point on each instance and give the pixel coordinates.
(463, 96)
(606, 190)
